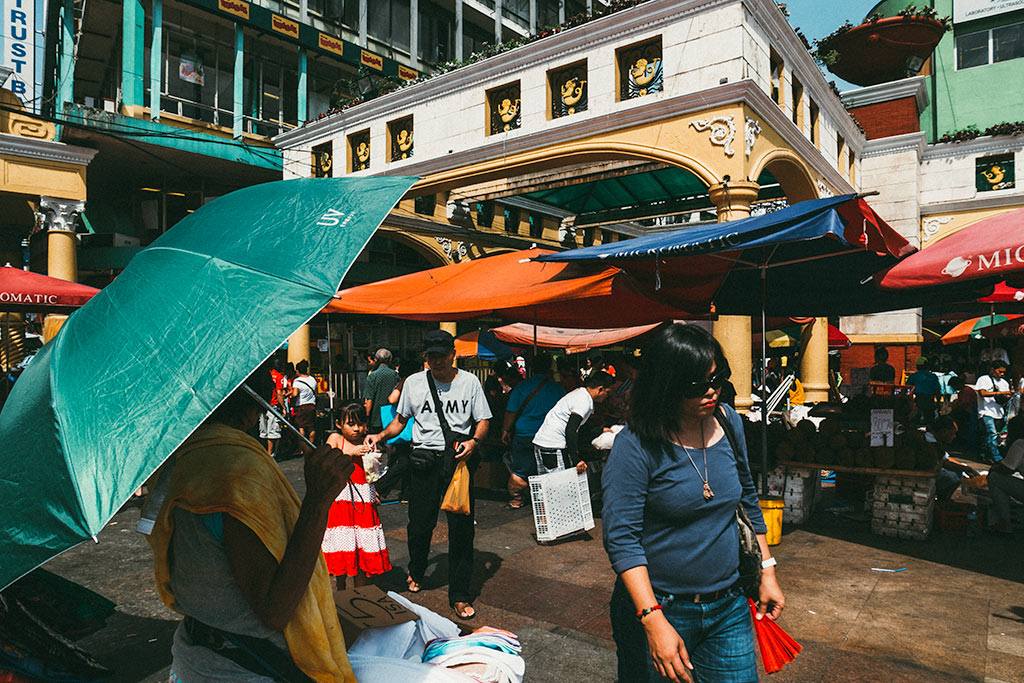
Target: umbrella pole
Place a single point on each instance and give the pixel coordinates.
(330, 367)
(991, 320)
(266, 406)
(764, 380)
(535, 333)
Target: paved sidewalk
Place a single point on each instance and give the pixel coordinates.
(955, 614)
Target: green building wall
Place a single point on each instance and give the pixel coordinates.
(981, 96)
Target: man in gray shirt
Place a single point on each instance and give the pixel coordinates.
(467, 415)
(379, 384)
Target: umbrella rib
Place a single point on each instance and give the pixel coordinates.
(249, 268)
(799, 260)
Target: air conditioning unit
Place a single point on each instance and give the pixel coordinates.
(112, 239)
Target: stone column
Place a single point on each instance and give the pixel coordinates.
(414, 32)
(814, 361)
(58, 219)
(156, 61)
(733, 331)
(298, 345)
(133, 19)
(363, 23)
(449, 328)
(497, 22)
(458, 31)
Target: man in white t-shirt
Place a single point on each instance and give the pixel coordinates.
(465, 410)
(990, 388)
(555, 444)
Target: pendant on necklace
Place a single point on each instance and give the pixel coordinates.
(708, 493)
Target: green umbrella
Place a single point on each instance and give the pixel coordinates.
(142, 364)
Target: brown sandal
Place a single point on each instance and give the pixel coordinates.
(464, 610)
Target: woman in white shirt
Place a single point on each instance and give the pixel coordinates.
(304, 399)
(1002, 483)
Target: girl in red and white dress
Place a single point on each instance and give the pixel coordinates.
(354, 542)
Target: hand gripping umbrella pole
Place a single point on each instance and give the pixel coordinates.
(295, 430)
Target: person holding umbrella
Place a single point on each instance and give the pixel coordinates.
(239, 555)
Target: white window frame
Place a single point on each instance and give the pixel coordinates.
(991, 47)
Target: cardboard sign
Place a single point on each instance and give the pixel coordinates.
(369, 607)
(881, 427)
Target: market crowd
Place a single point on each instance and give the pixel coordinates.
(250, 564)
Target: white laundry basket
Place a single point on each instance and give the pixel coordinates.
(561, 504)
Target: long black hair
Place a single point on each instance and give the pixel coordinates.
(351, 411)
(675, 356)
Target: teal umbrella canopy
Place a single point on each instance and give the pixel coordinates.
(137, 369)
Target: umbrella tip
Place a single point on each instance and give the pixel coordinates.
(95, 540)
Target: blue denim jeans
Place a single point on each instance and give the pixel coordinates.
(719, 638)
(991, 428)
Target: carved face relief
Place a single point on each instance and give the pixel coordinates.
(508, 110)
(404, 141)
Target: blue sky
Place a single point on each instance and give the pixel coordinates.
(817, 18)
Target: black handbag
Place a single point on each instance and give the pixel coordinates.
(750, 549)
(450, 437)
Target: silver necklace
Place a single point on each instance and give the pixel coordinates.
(708, 493)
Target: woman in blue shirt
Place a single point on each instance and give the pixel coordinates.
(671, 487)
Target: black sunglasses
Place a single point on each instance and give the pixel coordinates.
(698, 389)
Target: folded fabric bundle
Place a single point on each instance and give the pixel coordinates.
(488, 654)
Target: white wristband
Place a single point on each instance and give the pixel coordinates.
(770, 562)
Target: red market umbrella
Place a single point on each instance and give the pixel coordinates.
(790, 337)
(1003, 293)
(512, 287)
(22, 290)
(972, 327)
(836, 338)
(990, 251)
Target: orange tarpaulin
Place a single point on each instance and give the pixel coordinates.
(509, 286)
(572, 340)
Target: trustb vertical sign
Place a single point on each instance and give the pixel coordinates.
(21, 47)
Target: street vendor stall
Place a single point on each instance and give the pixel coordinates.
(867, 442)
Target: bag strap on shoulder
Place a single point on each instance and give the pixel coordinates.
(526, 402)
(730, 434)
(446, 430)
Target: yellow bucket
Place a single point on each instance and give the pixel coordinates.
(771, 508)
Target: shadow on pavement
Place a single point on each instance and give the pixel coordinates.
(987, 554)
(132, 647)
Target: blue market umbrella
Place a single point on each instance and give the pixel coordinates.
(144, 362)
(813, 258)
(482, 344)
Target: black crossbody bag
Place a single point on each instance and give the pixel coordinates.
(422, 458)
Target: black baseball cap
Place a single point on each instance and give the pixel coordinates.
(438, 341)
